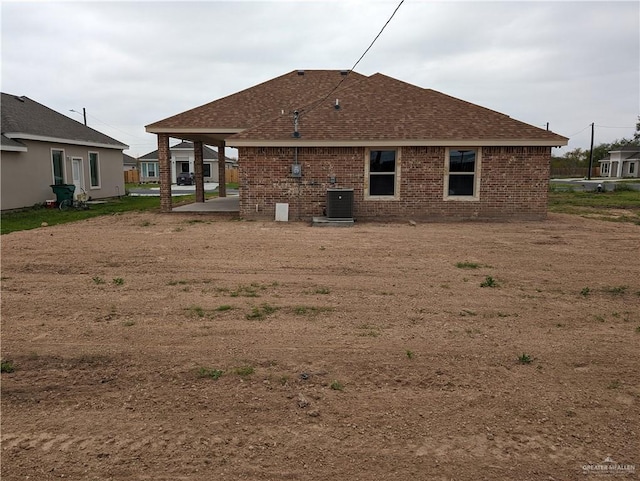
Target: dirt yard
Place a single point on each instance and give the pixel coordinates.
(168, 347)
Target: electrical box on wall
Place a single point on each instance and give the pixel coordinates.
(296, 170)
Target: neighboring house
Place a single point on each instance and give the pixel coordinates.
(405, 151)
(182, 160)
(129, 163)
(624, 162)
(41, 147)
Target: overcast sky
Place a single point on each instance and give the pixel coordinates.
(133, 63)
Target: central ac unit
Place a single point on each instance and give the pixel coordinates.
(339, 203)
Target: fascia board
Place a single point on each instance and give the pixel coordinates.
(56, 140)
(395, 143)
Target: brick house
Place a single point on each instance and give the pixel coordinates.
(405, 151)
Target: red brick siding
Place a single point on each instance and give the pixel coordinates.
(514, 183)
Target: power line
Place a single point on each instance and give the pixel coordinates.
(313, 107)
(608, 127)
(579, 132)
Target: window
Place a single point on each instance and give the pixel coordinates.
(94, 170)
(632, 167)
(381, 169)
(57, 161)
(605, 167)
(206, 172)
(149, 169)
(461, 173)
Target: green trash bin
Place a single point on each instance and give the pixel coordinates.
(63, 192)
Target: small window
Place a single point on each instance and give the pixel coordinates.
(94, 169)
(57, 161)
(206, 170)
(632, 168)
(461, 172)
(149, 169)
(382, 173)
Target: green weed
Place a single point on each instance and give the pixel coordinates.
(244, 371)
(7, 366)
(409, 354)
(467, 265)
(322, 290)
(224, 307)
(212, 373)
(336, 386)
(489, 282)
(617, 290)
(118, 281)
(97, 280)
(585, 291)
(261, 312)
(525, 359)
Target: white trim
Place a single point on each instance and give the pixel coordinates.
(394, 143)
(476, 179)
(13, 148)
(56, 140)
(81, 173)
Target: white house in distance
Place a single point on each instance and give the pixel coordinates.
(182, 160)
(624, 162)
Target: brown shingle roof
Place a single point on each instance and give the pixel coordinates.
(249, 107)
(372, 109)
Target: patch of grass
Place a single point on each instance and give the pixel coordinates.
(97, 280)
(175, 283)
(310, 310)
(489, 282)
(7, 366)
(261, 312)
(525, 358)
(467, 312)
(197, 311)
(585, 291)
(211, 373)
(467, 265)
(247, 291)
(615, 384)
(129, 323)
(336, 386)
(369, 330)
(118, 281)
(224, 307)
(409, 354)
(244, 371)
(638, 329)
(616, 290)
(598, 318)
(322, 290)
(33, 217)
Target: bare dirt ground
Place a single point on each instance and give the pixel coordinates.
(359, 353)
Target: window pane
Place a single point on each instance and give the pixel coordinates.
(461, 184)
(94, 170)
(57, 167)
(462, 161)
(382, 184)
(382, 161)
(206, 170)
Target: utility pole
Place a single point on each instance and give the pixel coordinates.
(590, 153)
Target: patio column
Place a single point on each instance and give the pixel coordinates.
(222, 165)
(198, 166)
(164, 164)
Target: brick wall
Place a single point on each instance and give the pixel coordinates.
(514, 183)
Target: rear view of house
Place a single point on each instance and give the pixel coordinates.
(41, 147)
(399, 150)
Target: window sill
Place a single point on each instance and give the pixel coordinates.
(461, 198)
(382, 198)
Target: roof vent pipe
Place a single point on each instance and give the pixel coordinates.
(300, 72)
(344, 72)
(296, 134)
(337, 105)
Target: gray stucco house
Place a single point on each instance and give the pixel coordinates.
(41, 147)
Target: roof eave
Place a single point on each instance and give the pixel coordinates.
(300, 142)
(57, 140)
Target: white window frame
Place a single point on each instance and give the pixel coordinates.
(64, 166)
(144, 169)
(367, 174)
(99, 185)
(476, 184)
